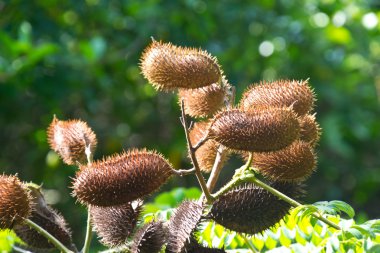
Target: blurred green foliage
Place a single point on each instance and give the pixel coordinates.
(79, 59)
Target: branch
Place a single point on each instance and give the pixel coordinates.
(182, 173)
(194, 161)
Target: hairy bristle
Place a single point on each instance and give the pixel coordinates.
(251, 209)
(260, 130)
(203, 102)
(310, 130)
(150, 238)
(121, 178)
(281, 93)
(70, 139)
(47, 218)
(115, 224)
(169, 67)
(206, 153)
(15, 202)
(182, 224)
(293, 163)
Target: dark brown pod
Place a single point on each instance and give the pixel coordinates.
(206, 153)
(149, 239)
(47, 218)
(121, 178)
(203, 102)
(114, 224)
(281, 93)
(293, 163)
(181, 225)
(264, 129)
(15, 202)
(70, 139)
(169, 67)
(252, 209)
(195, 247)
(310, 130)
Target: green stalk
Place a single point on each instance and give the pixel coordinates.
(249, 244)
(48, 236)
(87, 241)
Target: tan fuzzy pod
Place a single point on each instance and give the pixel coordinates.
(47, 218)
(150, 238)
(251, 209)
(181, 225)
(70, 139)
(203, 102)
(310, 130)
(15, 202)
(206, 153)
(169, 67)
(293, 163)
(114, 224)
(282, 93)
(121, 178)
(260, 130)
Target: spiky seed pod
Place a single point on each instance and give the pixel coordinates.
(282, 93)
(203, 102)
(293, 163)
(310, 130)
(47, 218)
(251, 209)
(121, 178)
(15, 202)
(264, 129)
(150, 238)
(206, 153)
(195, 247)
(169, 67)
(115, 224)
(70, 139)
(183, 222)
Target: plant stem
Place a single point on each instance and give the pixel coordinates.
(48, 236)
(251, 178)
(183, 172)
(191, 150)
(216, 169)
(249, 243)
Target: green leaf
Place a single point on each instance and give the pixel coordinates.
(343, 207)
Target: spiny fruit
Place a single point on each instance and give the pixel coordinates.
(260, 130)
(293, 163)
(150, 238)
(181, 225)
(206, 153)
(15, 202)
(251, 209)
(121, 178)
(203, 102)
(281, 93)
(115, 224)
(70, 139)
(194, 247)
(310, 130)
(47, 218)
(169, 67)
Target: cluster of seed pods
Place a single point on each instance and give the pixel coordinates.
(273, 122)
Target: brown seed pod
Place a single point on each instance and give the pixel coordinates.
(115, 224)
(282, 93)
(70, 139)
(47, 218)
(169, 67)
(149, 239)
(206, 153)
(15, 202)
(203, 102)
(195, 247)
(293, 163)
(251, 209)
(310, 130)
(121, 178)
(264, 129)
(181, 225)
